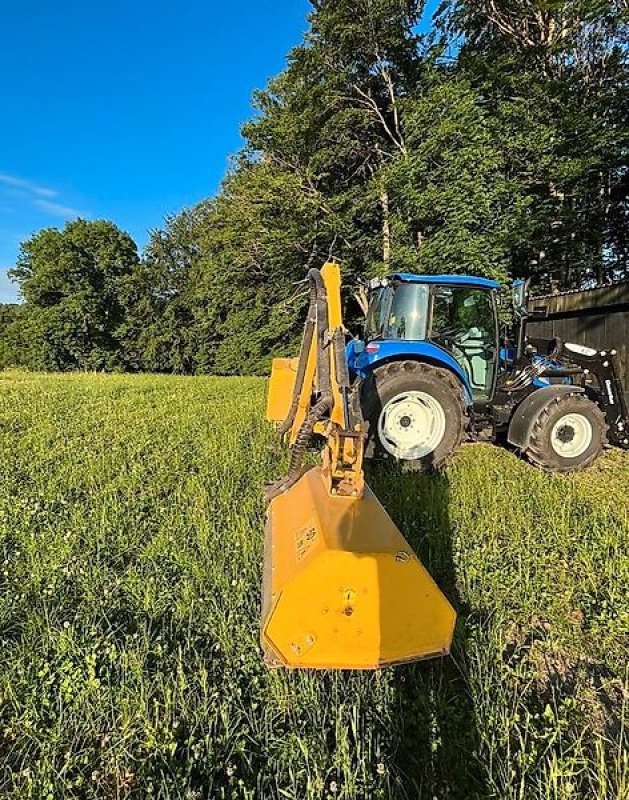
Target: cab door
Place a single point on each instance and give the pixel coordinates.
(464, 322)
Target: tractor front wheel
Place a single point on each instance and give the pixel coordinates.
(568, 434)
(415, 414)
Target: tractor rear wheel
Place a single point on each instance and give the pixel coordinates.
(415, 414)
(568, 434)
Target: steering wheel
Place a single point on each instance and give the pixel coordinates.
(449, 336)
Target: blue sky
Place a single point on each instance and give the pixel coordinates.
(126, 109)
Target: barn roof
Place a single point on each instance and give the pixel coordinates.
(599, 297)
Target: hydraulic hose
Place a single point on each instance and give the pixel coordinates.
(298, 449)
(340, 360)
(304, 352)
(317, 322)
(342, 373)
(528, 374)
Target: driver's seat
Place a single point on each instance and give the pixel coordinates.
(474, 361)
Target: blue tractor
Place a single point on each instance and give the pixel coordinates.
(434, 367)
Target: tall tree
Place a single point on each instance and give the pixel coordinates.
(334, 119)
(249, 290)
(73, 284)
(553, 74)
(454, 208)
(159, 334)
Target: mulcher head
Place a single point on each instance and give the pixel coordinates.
(342, 589)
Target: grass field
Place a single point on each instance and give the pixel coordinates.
(131, 525)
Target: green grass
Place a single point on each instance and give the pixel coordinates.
(131, 526)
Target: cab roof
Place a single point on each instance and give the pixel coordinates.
(448, 280)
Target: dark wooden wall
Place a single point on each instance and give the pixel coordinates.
(591, 327)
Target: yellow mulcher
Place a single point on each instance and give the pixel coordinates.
(342, 588)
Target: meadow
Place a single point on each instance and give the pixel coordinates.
(131, 528)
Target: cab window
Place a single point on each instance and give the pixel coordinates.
(464, 323)
(409, 312)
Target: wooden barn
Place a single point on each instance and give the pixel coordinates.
(596, 317)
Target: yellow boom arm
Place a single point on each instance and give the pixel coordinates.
(311, 394)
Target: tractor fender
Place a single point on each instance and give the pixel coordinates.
(524, 416)
(383, 352)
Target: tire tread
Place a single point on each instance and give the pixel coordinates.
(536, 451)
(390, 371)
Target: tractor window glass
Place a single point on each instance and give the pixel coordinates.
(409, 312)
(378, 304)
(464, 323)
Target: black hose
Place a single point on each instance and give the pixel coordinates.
(317, 319)
(318, 300)
(304, 352)
(305, 433)
(342, 374)
(340, 360)
(298, 449)
(534, 370)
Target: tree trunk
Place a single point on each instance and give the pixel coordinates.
(386, 227)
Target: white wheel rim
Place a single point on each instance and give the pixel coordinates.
(571, 435)
(411, 425)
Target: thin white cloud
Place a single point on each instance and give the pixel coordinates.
(27, 186)
(58, 209)
(41, 197)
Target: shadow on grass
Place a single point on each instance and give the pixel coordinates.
(437, 741)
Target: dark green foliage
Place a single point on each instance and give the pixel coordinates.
(75, 283)
(10, 335)
(250, 279)
(494, 145)
(160, 335)
(554, 75)
(454, 208)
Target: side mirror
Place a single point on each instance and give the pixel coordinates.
(518, 297)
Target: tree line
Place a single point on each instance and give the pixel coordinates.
(494, 144)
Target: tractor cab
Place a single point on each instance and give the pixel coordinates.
(441, 318)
